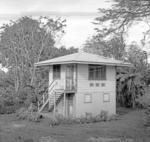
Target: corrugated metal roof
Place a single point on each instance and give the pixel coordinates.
(83, 58)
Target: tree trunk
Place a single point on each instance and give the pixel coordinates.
(133, 95)
(17, 84)
(32, 77)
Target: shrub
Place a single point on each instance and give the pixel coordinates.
(7, 104)
(59, 119)
(130, 87)
(143, 102)
(47, 139)
(100, 139)
(147, 117)
(53, 121)
(28, 114)
(7, 109)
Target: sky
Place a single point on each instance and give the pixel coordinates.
(79, 15)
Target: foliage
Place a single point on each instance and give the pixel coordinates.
(129, 88)
(100, 139)
(59, 119)
(9, 101)
(130, 82)
(147, 117)
(47, 139)
(42, 139)
(139, 60)
(26, 41)
(113, 47)
(121, 15)
(29, 113)
(137, 57)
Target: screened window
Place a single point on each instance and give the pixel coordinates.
(87, 98)
(56, 72)
(97, 72)
(106, 97)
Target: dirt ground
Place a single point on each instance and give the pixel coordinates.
(129, 125)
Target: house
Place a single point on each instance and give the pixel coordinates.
(81, 84)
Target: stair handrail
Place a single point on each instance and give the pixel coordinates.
(47, 92)
(52, 85)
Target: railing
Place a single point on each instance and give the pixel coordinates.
(51, 94)
(46, 94)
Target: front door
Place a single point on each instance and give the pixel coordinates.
(71, 77)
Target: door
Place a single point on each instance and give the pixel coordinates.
(71, 77)
(70, 105)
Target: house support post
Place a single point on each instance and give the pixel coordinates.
(54, 103)
(49, 106)
(64, 104)
(48, 97)
(38, 105)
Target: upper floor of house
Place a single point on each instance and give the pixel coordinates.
(83, 72)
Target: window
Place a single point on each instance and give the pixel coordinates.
(97, 72)
(88, 98)
(97, 84)
(106, 97)
(56, 72)
(91, 84)
(103, 84)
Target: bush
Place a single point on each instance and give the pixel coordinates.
(7, 109)
(143, 102)
(47, 139)
(7, 104)
(147, 117)
(31, 115)
(59, 119)
(28, 114)
(100, 139)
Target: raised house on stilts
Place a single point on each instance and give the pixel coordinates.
(81, 84)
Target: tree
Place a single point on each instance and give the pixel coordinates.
(26, 41)
(113, 47)
(138, 58)
(129, 88)
(130, 81)
(112, 25)
(122, 15)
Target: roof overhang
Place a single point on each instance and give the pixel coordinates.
(123, 64)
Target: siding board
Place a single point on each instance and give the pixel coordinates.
(105, 86)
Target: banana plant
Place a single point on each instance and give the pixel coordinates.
(129, 88)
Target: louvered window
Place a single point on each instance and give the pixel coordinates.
(97, 72)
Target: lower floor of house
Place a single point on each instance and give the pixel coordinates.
(82, 104)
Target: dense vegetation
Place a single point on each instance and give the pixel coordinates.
(27, 40)
(23, 43)
(112, 26)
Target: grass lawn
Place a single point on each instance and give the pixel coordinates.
(129, 125)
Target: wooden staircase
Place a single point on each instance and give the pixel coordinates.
(51, 98)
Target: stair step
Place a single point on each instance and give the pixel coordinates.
(55, 94)
(59, 90)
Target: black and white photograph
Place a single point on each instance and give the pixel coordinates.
(74, 70)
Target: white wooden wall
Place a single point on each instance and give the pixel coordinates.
(61, 82)
(97, 104)
(83, 87)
